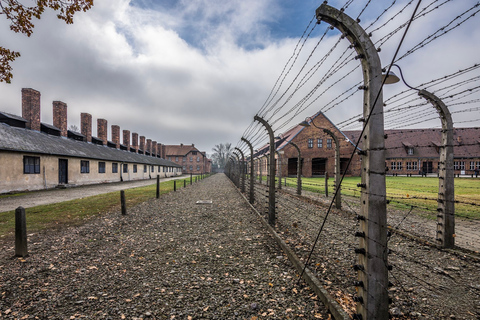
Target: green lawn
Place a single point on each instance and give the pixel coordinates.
(74, 212)
(405, 192)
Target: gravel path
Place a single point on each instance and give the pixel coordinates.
(167, 259)
(36, 198)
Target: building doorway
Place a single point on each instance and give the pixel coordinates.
(427, 167)
(319, 166)
(62, 171)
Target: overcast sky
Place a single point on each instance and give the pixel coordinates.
(195, 71)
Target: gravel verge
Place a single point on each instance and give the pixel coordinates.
(168, 258)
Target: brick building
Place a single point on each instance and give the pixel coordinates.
(190, 158)
(408, 151)
(36, 155)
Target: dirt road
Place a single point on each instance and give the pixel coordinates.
(36, 198)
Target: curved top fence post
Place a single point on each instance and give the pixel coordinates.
(271, 174)
(446, 189)
(252, 173)
(242, 170)
(372, 266)
(337, 194)
(299, 168)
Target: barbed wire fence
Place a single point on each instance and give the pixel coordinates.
(425, 281)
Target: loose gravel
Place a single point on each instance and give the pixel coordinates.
(168, 258)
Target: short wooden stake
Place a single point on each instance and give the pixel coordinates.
(326, 184)
(122, 201)
(20, 233)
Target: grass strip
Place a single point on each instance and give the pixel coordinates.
(75, 212)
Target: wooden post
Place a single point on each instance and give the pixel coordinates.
(185, 183)
(174, 185)
(158, 186)
(122, 202)
(20, 233)
(326, 184)
(191, 175)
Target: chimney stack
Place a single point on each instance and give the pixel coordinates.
(102, 127)
(154, 149)
(31, 108)
(60, 117)
(159, 150)
(126, 139)
(142, 144)
(149, 146)
(116, 135)
(135, 141)
(86, 125)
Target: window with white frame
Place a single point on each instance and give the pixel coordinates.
(310, 143)
(399, 165)
(329, 143)
(459, 165)
(319, 143)
(393, 165)
(410, 151)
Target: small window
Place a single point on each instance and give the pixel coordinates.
(144, 168)
(184, 168)
(194, 153)
(399, 165)
(198, 159)
(159, 168)
(31, 165)
(114, 167)
(191, 159)
(101, 167)
(191, 168)
(134, 168)
(410, 151)
(320, 143)
(198, 168)
(393, 165)
(152, 168)
(176, 159)
(184, 159)
(125, 168)
(310, 143)
(84, 166)
(329, 143)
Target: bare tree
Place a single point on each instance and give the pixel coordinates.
(221, 153)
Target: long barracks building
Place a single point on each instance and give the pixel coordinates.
(35, 155)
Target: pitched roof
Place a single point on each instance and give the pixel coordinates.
(23, 140)
(179, 150)
(425, 142)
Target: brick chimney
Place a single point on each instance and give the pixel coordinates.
(142, 144)
(164, 151)
(31, 108)
(86, 125)
(154, 148)
(135, 141)
(116, 135)
(149, 146)
(102, 130)
(159, 150)
(60, 117)
(126, 139)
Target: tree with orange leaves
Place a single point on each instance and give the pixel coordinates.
(21, 16)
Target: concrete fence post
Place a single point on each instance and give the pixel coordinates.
(158, 186)
(271, 172)
(252, 172)
(372, 265)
